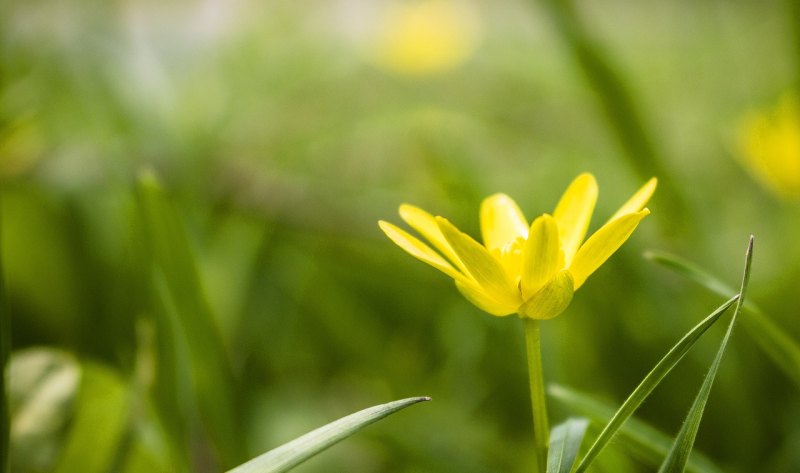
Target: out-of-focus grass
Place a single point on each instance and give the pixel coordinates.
(5, 349)
(281, 145)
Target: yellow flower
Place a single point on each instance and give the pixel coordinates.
(426, 37)
(770, 145)
(528, 270)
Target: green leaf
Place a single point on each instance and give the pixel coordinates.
(189, 321)
(649, 443)
(679, 454)
(565, 441)
(291, 454)
(650, 381)
(100, 420)
(783, 350)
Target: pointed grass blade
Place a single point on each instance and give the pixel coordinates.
(565, 441)
(650, 444)
(650, 381)
(291, 454)
(684, 442)
(176, 279)
(782, 349)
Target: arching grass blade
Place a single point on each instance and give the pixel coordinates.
(291, 454)
(653, 378)
(684, 442)
(783, 350)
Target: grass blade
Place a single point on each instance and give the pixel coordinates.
(651, 444)
(101, 418)
(650, 381)
(616, 98)
(565, 441)
(176, 279)
(779, 347)
(679, 454)
(293, 453)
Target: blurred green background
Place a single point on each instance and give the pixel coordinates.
(280, 132)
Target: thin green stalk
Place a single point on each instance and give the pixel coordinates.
(541, 428)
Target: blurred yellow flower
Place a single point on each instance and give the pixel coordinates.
(770, 145)
(529, 270)
(426, 37)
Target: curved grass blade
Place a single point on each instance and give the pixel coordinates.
(779, 347)
(641, 438)
(291, 454)
(565, 441)
(679, 454)
(176, 280)
(650, 381)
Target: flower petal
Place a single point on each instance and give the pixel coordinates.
(481, 265)
(541, 256)
(482, 301)
(426, 225)
(551, 299)
(501, 221)
(600, 246)
(421, 251)
(573, 213)
(638, 201)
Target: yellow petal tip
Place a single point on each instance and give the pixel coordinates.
(405, 208)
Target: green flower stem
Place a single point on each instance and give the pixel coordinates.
(541, 428)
